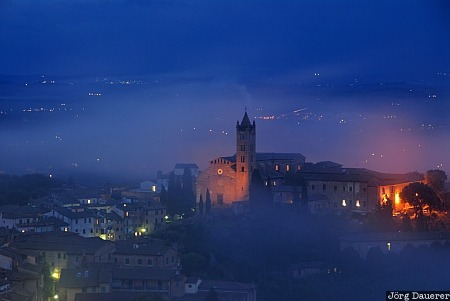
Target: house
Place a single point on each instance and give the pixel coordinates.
(150, 253)
(140, 218)
(85, 223)
(84, 280)
(65, 249)
(165, 282)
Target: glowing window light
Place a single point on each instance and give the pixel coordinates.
(357, 203)
(389, 246)
(344, 203)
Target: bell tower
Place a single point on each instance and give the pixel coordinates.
(245, 156)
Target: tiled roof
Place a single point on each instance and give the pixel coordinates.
(149, 248)
(59, 241)
(72, 214)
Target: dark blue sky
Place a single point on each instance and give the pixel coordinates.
(202, 62)
(374, 39)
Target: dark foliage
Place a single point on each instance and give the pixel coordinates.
(22, 189)
(260, 194)
(420, 195)
(200, 204)
(208, 202)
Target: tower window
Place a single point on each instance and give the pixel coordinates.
(242, 169)
(242, 159)
(243, 148)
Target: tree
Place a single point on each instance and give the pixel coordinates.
(188, 196)
(296, 180)
(163, 197)
(421, 195)
(260, 194)
(200, 204)
(173, 195)
(436, 179)
(207, 202)
(193, 263)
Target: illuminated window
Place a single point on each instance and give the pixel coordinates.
(299, 167)
(344, 203)
(357, 203)
(277, 167)
(274, 183)
(287, 167)
(89, 201)
(388, 246)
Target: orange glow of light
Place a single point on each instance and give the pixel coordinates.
(397, 198)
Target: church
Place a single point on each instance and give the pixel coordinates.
(326, 186)
(228, 178)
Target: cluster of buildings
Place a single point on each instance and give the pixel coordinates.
(95, 247)
(72, 267)
(90, 217)
(326, 186)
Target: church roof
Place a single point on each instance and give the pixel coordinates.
(279, 156)
(261, 157)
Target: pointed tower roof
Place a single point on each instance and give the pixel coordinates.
(245, 121)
